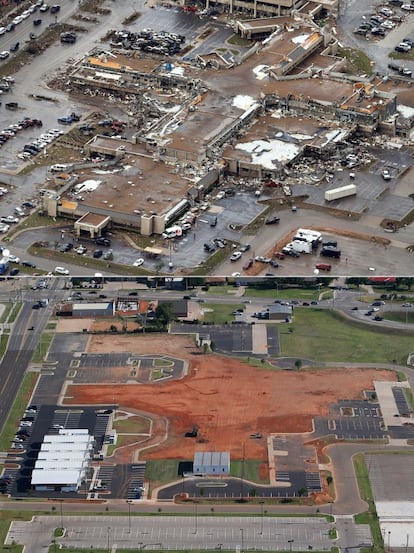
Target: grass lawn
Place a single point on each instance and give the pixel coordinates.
(239, 41)
(399, 316)
(42, 348)
(226, 289)
(122, 440)
(326, 336)
(17, 411)
(220, 312)
(162, 472)
(157, 374)
(251, 470)
(136, 424)
(15, 312)
(285, 294)
(6, 312)
(162, 363)
(358, 62)
(370, 517)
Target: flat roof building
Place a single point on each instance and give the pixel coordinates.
(211, 463)
(63, 461)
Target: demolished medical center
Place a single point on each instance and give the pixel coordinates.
(200, 120)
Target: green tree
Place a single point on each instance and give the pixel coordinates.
(164, 314)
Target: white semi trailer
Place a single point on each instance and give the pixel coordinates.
(340, 192)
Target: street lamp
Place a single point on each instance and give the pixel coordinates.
(290, 542)
(196, 518)
(107, 531)
(261, 519)
(129, 515)
(242, 540)
(389, 539)
(61, 513)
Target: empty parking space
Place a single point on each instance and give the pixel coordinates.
(390, 476)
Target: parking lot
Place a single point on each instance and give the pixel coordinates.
(353, 420)
(49, 419)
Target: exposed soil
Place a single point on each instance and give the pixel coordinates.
(225, 397)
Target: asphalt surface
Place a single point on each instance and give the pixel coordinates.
(351, 16)
(176, 532)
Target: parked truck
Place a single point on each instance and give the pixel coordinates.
(301, 246)
(340, 192)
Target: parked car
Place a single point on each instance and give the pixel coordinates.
(323, 266)
(272, 220)
(61, 271)
(28, 264)
(14, 259)
(138, 262)
(236, 256)
(97, 253)
(248, 264)
(101, 241)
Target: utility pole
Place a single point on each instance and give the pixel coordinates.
(129, 515)
(261, 519)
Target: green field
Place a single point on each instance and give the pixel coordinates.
(162, 472)
(326, 336)
(304, 294)
(133, 425)
(399, 316)
(42, 348)
(220, 313)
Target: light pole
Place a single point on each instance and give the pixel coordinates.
(195, 518)
(406, 544)
(389, 539)
(242, 540)
(107, 531)
(61, 513)
(242, 472)
(290, 542)
(129, 515)
(261, 519)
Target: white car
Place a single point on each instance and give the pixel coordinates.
(61, 271)
(407, 7)
(2, 30)
(81, 250)
(9, 219)
(4, 227)
(4, 55)
(138, 262)
(236, 256)
(14, 259)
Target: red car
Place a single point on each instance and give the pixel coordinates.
(248, 264)
(323, 266)
(280, 255)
